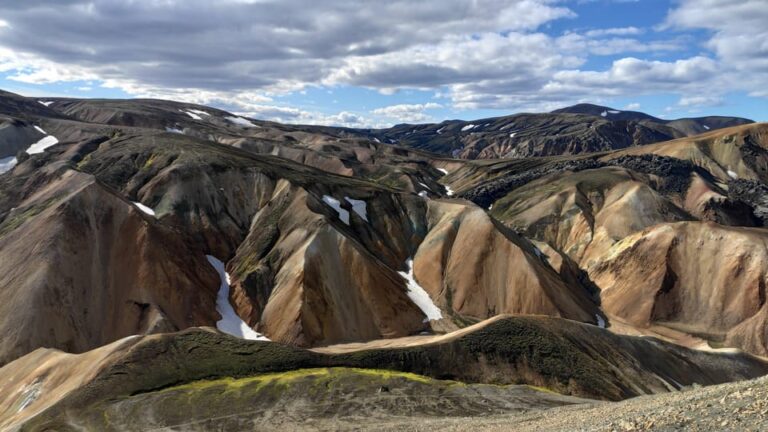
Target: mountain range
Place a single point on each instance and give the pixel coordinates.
(171, 265)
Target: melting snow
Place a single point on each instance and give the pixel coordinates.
(240, 121)
(193, 115)
(7, 163)
(706, 127)
(467, 127)
(43, 144)
(358, 206)
(600, 321)
(604, 113)
(144, 208)
(30, 394)
(46, 103)
(174, 130)
(336, 205)
(230, 322)
(732, 174)
(419, 296)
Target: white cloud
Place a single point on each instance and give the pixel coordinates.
(700, 101)
(615, 31)
(240, 54)
(407, 113)
(739, 38)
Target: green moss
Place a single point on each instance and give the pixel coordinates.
(148, 164)
(84, 162)
(323, 376)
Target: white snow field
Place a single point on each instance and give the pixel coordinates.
(240, 121)
(230, 322)
(336, 205)
(419, 296)
(144, 208)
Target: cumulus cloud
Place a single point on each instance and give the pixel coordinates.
(479, 54)
(739, 37)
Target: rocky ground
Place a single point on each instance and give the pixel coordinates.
(741, 406)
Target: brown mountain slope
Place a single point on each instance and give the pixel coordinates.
(82, 267)
(315, 258)
(699, 278)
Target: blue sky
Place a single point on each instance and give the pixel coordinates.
(379, 63)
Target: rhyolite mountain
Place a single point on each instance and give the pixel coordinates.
(579, 129)
(134, 233)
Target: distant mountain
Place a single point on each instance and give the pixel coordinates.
(579, 129)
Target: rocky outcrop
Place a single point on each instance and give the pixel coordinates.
(699, 278)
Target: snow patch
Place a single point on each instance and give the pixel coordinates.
(240, 121)
(359, 207)
(419, 296)
(512, 135)
(613, 112)
(424, 194)
(377, 140)
(467, 127)
(144, 208)
(706, 127)
(230, 322)
(600, 321)
(7, 163)
(444, 171)
(39, 129)
(490, 207)
(604, 113)
(46, 103)
(29, 395)
(448, 190)
(43, 144)
(193, 115)
(174, 130)
(336, 205)
(732, 174)
(440, 131)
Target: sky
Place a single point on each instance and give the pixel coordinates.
(383, 62)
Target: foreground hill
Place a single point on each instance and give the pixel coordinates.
(142, 383)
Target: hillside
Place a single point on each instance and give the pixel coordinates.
(187, 259)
